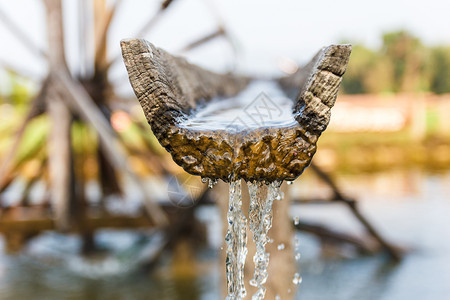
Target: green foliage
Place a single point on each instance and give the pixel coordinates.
(34, 139)
(402, 64)
(440, 71)
(19, 90)
(362, 59)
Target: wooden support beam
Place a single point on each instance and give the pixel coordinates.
(59, 141)
(38, 219)
(325, 233)
(80, 101)
(60, 160)
(353, 206)
(55, 35)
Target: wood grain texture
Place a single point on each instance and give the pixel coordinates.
(169, 89)
(319, 83)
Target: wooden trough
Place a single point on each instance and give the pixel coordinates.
(170, 90)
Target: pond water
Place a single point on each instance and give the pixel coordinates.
(411, 208)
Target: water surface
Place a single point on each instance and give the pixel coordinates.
(410, 208)
(261, 104)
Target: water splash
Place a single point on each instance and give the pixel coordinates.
(212, 183)
(297, 279)
(280, 247)
(236, 240)
(260, 216)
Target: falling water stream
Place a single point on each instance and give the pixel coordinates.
(272, 109)
(260, 215)
(260, 221)
(236, 240)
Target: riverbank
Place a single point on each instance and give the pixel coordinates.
(374, 133)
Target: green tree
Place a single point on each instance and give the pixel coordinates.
(440, 70)
(406, 54)
(361, 61)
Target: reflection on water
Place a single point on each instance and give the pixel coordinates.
(411, 209)
(261, 104)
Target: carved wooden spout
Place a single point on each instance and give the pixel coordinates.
(171, 91)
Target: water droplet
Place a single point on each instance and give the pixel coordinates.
(296, 243)
(280, 247)
(211, 183)
(296, 220)
(271, 241)
(289, 291)
(204, 179)
(297, 256)
(297, 278)
(280, 196)
(277, 297)
(290, 182)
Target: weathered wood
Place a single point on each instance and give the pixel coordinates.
(319, 81)
(35, 219)
(59, 140)
(80, 101)
(169, 89)
(60, 159)
(55, 35)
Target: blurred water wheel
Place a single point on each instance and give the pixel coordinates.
(82, 101)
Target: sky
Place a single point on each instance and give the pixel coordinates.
(264, 32)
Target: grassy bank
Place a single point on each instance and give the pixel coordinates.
(356, 152)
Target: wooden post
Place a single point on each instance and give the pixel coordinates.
(59, 143)
(60, 160)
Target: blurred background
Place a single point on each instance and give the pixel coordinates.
(85, 187)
